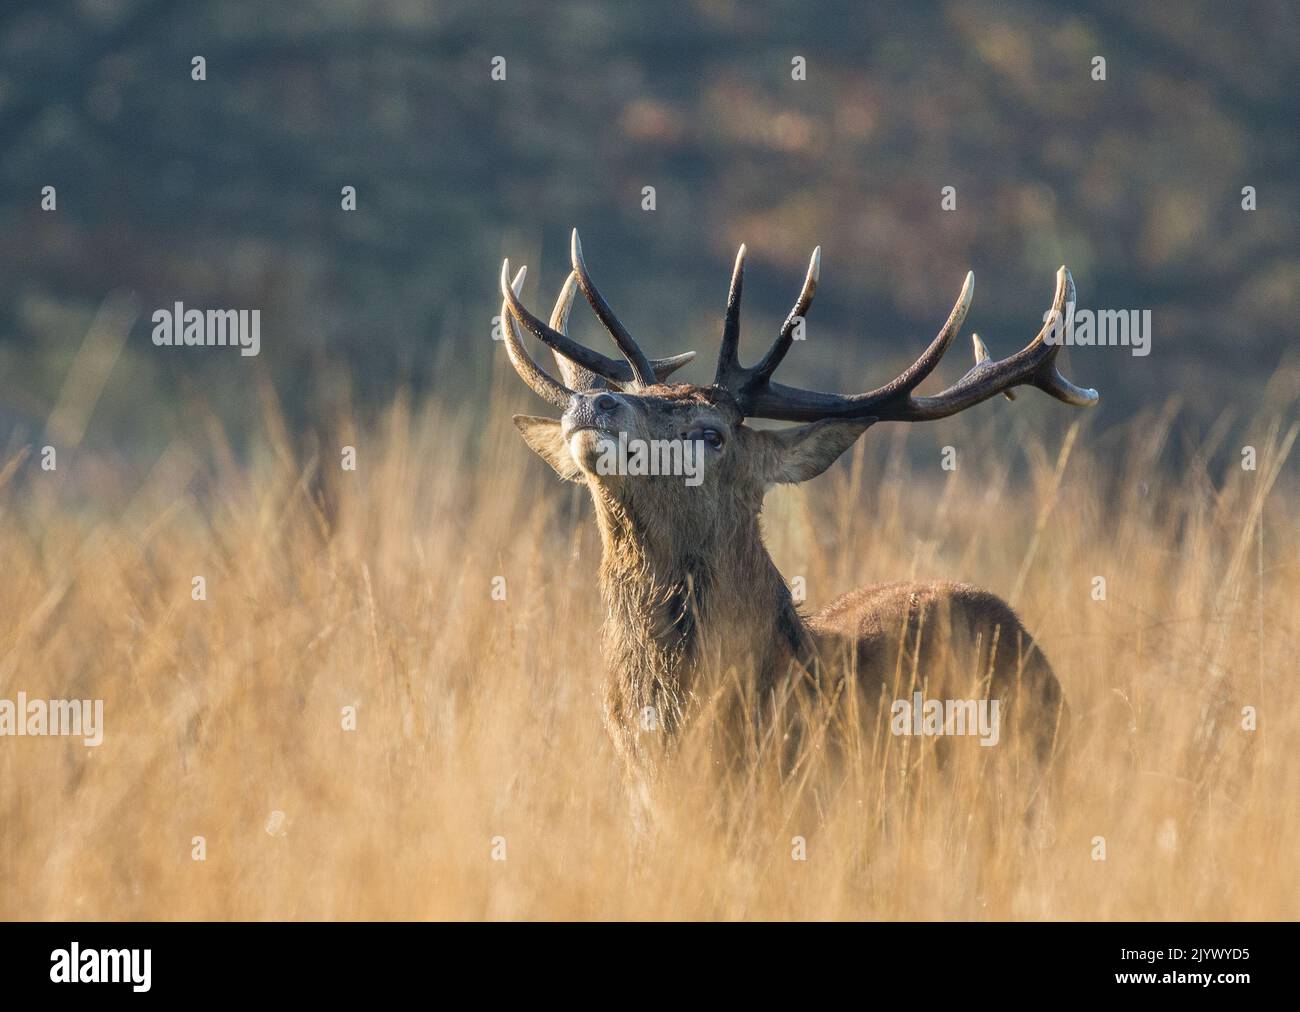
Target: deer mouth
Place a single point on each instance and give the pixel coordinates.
(587, 443)
(571, 429)
(589, 434)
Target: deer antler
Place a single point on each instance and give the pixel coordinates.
(543, 383)
(759, 397)
(571, 373)
(753, 389)
(730, 373)
(636, 369)
(636, 358)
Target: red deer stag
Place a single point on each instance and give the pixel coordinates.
(685, 577)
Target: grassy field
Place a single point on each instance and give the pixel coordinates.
(479, 718)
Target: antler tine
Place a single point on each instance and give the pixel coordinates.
(730, 373)
(564, 305)
(601, 365)
(1035, 365)
(729, 369)
(1049, 378)
(765, 399)
(768, 363)
(593, 361)
(579, 377)
(642, 370)
(543, 383)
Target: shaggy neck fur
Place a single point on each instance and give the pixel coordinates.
(683, 600)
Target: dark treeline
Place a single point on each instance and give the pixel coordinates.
(227, 192)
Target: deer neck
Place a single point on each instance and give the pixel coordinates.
(683, 599)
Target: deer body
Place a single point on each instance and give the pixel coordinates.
(689, 588)
(672, 614)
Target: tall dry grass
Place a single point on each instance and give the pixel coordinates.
(479, 718)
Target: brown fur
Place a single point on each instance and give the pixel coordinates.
(951, 639)
(689, 588)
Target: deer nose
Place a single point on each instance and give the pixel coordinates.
(605, 404)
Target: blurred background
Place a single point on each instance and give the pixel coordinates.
(226, 192)
(329, 588)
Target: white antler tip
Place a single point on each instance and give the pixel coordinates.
(563, 304)
(1065, 284)
(575, 246)
(815, 264)
(518, 283)
(967, 293)
(981, 350)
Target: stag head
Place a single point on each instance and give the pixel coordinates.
(602, 397)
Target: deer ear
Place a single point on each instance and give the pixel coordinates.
(807, 450)
(544, 437)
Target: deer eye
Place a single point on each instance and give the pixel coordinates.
(710, 436)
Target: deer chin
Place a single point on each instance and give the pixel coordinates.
(587, 445)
